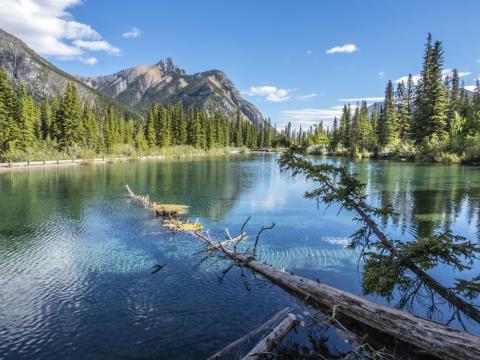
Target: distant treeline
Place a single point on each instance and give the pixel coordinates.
(432, 118)
(68, 126)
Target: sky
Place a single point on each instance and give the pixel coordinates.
(297, 61)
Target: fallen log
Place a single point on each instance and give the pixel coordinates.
(268, 343)
(252, 333)
(432, 337)
(366, 214)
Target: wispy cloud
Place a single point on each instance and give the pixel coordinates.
(445, 72)
(47, 27)
(307, 97)
(88, 60)
(347, 48)
(309, 117)
(270, 93)
(381, 74)
(134, 33)
(367, 99)
(415, 78)
(96, 45)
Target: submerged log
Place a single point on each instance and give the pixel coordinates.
(432, 337)
(252, 333)
(268, 343)
(165, 210)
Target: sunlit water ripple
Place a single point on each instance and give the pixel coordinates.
(76, 254)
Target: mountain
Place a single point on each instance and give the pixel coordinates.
(42, 78)
(166, 83)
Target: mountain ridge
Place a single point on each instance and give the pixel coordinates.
(166, 83)
(131, 90)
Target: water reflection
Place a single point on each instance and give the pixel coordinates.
(75, 254)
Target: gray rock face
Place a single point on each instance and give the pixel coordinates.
(136, 88)
(41, 77)
(166, 83)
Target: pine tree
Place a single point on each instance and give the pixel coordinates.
(345, 127)
(476, 97)
(9, 131)
(335, 134)
(149, 128)
(403, 109)
(238, 131)
(389, 119)
(69, 118)
(437, 124)
(46, 119)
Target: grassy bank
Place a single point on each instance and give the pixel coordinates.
(466, 152)
(86, 157)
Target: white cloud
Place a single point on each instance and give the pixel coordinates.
(367, 99)
(47, 27)
(309, 52)
(347, 48)
(88, 60)
(446, 72)
(134, 33)
(307, 97)
(270, 93)
(310, 117)
(471, 87)
(96, 45)
(381, 74)
(416, 78)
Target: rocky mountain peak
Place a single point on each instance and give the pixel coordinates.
(167, 65)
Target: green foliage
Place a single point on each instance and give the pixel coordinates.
(391, 265)
(430, 120)
(67, 126)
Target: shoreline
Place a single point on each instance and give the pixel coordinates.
(52, 164)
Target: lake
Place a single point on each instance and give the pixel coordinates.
(76, 253)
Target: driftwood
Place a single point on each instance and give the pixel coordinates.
(258, 330)
(434, 338)
(266, 345)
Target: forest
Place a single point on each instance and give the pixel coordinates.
(66, 127)
(434, 118)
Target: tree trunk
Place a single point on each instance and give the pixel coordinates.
(268, 343)
(434, 338)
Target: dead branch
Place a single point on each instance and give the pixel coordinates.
(268, 343)
(251, 334)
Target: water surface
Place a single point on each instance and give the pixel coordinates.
(75, 253)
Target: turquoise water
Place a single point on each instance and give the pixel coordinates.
(76, 253)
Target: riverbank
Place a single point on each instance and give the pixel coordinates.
(46, 164)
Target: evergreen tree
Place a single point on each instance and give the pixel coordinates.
(71, 129)
(389, 134)
(238, 131)
(46, 119)
(403, 110)
(149, 128)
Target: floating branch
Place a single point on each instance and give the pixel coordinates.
(258, 330)
(268, 343)
(258, 238)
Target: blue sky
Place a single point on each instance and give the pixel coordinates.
(276, 52)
